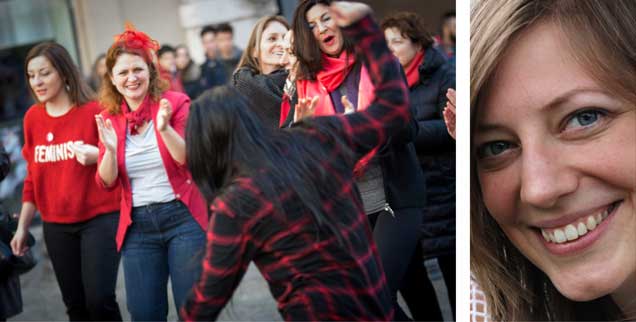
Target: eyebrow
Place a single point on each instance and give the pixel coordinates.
(567, 96)
(320, 18)
(554, 103)
(39, 70)
(489, 127)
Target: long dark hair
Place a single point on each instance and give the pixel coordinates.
(79, 92)
(305, 46)
(226, 140)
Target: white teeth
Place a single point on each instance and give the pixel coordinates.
(591, 223)
(545, 235)
(559, 236)
(574, 230)
(571, 233)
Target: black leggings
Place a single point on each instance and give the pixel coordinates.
(396, 239)
(85, 260)
(419, 293)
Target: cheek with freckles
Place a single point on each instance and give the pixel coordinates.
(499, 194)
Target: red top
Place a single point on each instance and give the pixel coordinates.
(61, 188)
(178, 175)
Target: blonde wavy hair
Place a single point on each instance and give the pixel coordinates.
(602, 37)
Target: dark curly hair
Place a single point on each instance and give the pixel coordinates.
(410, 25)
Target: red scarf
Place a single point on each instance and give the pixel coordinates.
(285, 107)
(334, 71)
(138, 117)
(412, 69)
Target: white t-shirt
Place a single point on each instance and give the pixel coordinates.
(148, 177)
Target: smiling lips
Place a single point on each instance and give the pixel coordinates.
(577, 229)
(133, 87)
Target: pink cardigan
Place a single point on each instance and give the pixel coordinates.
(178, 175)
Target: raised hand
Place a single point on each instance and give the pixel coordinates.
(346, 13)
(305, 108)
(164, 114)
(347, 105)
(449, 112)
(107, 134)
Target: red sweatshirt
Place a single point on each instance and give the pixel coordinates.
(62, 189)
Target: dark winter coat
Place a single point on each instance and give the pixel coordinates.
(264, 92)
(10, 293)
(436, 153)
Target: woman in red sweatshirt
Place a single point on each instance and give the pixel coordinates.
(80, 221)
(142, 150)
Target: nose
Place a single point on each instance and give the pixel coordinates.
(280, 43)
(321, 27)
(546, 175)
(37, 81)
(392, 48)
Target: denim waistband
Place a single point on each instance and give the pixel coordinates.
(156, 205)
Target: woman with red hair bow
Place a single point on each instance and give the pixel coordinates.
(142, 150)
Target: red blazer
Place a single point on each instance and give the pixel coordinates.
(178, 175)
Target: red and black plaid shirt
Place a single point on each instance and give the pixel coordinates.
(311, 274)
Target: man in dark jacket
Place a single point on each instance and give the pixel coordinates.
(212, 71)
(229, 54)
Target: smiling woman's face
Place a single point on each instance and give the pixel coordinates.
(557, 166)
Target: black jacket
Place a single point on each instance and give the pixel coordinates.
(5, 163)
(10, 293)
(212, 74)
(264, 92)
(435, 152)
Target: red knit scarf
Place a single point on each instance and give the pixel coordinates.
(335, 70)
(137, 118)
(412, 69)
(333, 73)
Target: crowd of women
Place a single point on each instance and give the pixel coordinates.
(327, 163)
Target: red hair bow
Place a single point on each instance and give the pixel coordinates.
(134, 39)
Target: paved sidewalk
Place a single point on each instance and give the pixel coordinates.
(252, 301)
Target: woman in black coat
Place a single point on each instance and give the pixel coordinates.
(259, 75)
(429, 77)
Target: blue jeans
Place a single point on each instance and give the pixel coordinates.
(163, 241)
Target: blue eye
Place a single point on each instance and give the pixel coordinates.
(493, 149)
(583, 119)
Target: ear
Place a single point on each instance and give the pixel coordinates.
(112, 80)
